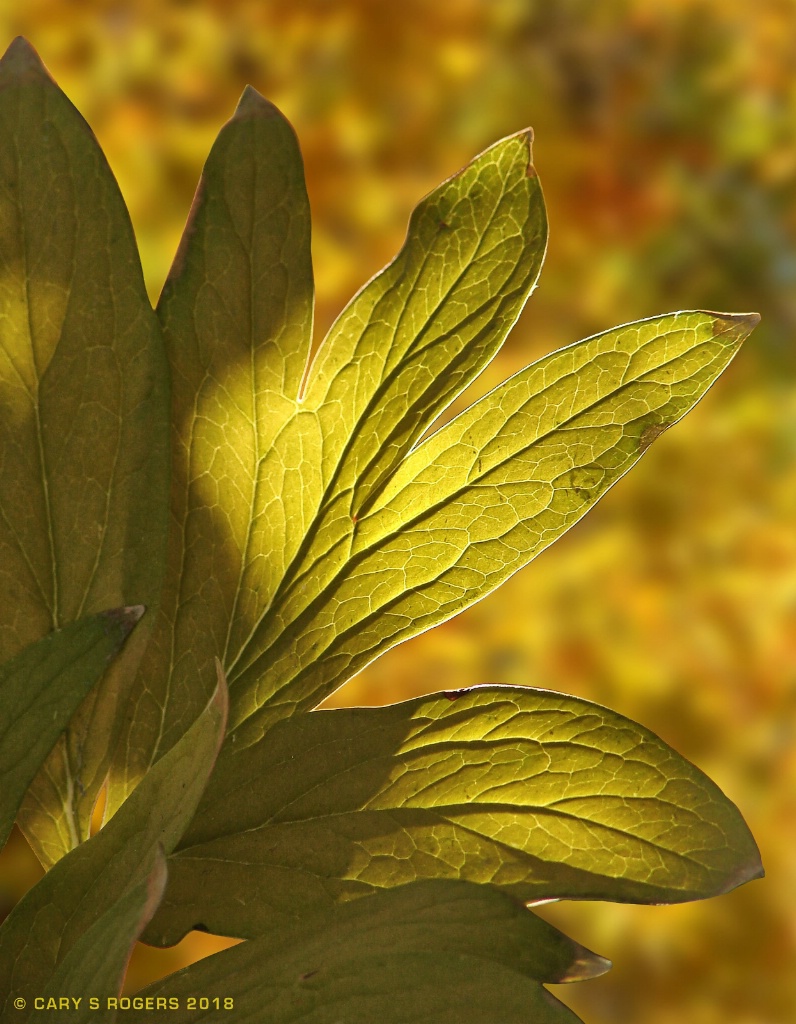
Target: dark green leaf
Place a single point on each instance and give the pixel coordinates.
(40, 690)
(441, 952)
(97, 962)
(83, 420)
(56, 913)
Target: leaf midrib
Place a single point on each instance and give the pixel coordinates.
(247, 246)
(445, 814)
(52, 602)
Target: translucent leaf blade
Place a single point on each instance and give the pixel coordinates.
(237, 320)
(258, 490)
(480, 498)
(436, 951)
(83, 415)
(545, 795)
(405, 347)
(422, 329)
(54, 916)
(40, 690)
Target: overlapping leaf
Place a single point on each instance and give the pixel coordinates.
(95, 966)
(307, 538)
(40, 690)
(436, 951)
(56, 915)
(83, 418)
(264, 482)
(541, 794)
(311, 531)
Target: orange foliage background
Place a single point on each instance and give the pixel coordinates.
(666, 143)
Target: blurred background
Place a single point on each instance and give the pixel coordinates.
(666, 144)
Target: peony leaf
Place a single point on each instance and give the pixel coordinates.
(478, 500)
(54, 916)
(237, 320)
(264, 482)
(436, 951)
(545, 795)
(94, 967)
(83, 421)
(40, 690)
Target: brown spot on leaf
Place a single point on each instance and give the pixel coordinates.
(650, 433)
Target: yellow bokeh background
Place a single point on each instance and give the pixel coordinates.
(666, 145)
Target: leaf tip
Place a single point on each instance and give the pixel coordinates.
(254, 104)
(455, 694)
(135, 612)
(584, 967)
(123, 620)
(736, 326)
(750, 870)
(21, 57)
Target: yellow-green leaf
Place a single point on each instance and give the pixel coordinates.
(413, 338)
(265, 484)
(40, 690)
(83, 418)
(478, 500)
(545, 795)
(437, 951)
(237, 319)
(421, 330)
(74, 895)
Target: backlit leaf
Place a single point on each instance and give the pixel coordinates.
(477, 500)
(83, 419)
(74, 895)
(265, 485)
(542, 794)
(441, 952)
(40, 690)
(237, 319)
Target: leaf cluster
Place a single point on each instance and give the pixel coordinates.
(285, 520)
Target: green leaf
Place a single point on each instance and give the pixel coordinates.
(237, 320)
(40, 690)
(545, 795)
(478, 500)
(421, 330)
(96, 964)
(83, 419)
(54, 916)
(264, 482)
(441, 952)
